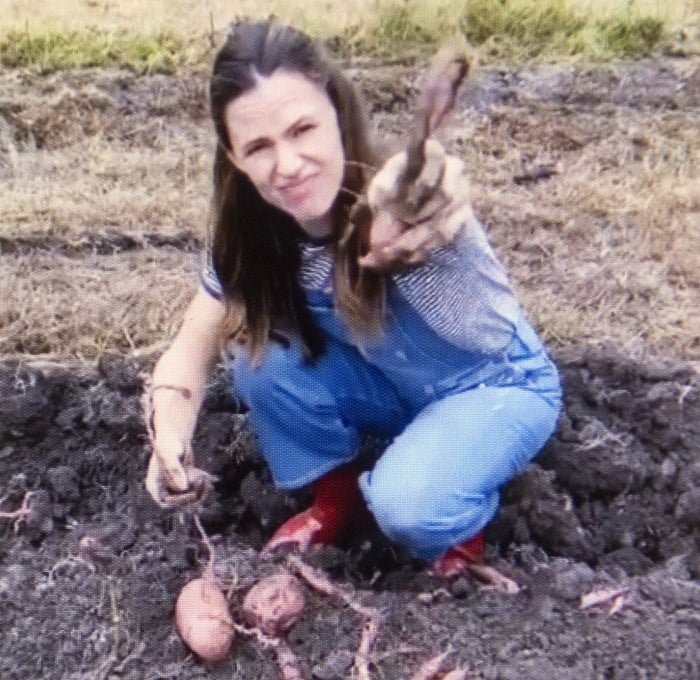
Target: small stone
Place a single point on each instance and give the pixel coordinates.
(462, 587)
(668, 468)
(665, 474)
(628, 558)
(621, 401)
(64, 483)
(570, 582)
(483, 610)
(677, 567)
(689, 478)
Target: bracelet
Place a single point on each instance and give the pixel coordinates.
(184, 391)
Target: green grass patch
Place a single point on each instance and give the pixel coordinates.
(51, 50)
(535, 26)
(626, 36)
(507, 29)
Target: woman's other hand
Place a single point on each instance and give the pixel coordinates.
(172, 478)
(410, 220)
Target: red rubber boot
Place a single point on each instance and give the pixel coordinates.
(468, 557)
(337, 502)
(456, 560)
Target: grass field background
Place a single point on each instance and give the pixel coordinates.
(193, 17)
(604, 251)
(162, 35)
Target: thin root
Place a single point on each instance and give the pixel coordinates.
(370, 630)
(204, 536)
(430, 668)
(287, 660)
(21, 513)
(494, 578)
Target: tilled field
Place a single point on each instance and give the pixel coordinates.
(612, 502)
(90, 568)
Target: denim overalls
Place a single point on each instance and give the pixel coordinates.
(460, 422)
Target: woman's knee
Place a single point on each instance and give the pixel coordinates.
(426, 518)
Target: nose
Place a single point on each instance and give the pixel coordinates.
(288, 161)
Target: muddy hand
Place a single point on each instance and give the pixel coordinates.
(419, 199)
(404, 233)
(172, 480)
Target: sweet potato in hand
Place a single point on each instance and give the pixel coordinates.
(402, 235)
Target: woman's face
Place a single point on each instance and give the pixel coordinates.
(285, 137)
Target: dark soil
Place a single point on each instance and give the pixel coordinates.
(613, 500)
(89, 575)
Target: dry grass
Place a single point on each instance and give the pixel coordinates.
(86, 303)
(84, 307)
(603, 252)
(98, 183)
(98, 175)
(329, 17)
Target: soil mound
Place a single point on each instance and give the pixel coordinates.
(90, 571)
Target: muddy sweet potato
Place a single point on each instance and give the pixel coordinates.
(274, 604)
(203, 621)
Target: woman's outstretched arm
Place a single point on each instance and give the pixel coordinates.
(177, 392)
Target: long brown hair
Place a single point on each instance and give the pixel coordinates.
(255, 246)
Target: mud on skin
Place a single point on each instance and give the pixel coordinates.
(89, 577)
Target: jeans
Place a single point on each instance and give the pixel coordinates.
(460, 424)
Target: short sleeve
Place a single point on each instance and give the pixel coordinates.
(209, 280)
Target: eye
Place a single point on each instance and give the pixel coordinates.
(301, 129)
(254, 148)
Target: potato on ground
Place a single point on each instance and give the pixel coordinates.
(274, 604)
(203, 621)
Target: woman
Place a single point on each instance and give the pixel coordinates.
(412, 334)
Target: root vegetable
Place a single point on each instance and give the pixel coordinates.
(274, 604)
(203, 621)
(320, 582)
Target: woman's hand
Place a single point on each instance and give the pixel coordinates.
(172, 478)
(410, 220)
